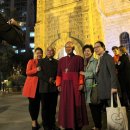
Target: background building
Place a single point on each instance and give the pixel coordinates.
(82, 21)
(62, 21)
(24, 12)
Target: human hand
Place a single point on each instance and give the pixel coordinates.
(82, 73)
(119, 63)
(113, 90)
(38, 68)
(51, 80)
(13, 22)
(59, 88)
(81, 87)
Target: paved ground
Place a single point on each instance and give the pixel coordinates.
(14, 114)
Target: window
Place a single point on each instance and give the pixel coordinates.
(32, 34)
(32, 45)
(22, 51)
(125, 40)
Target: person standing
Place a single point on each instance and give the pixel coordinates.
(31, 87)
(116, 56)
(72, 107)
(48, 90)
(123, 67)
(90, 64)
(107, 82)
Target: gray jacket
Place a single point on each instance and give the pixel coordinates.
(106, 76)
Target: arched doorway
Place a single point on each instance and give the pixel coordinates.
(62, 53)
(60, 43)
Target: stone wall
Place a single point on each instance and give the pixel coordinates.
(116, 19)
(59, 21)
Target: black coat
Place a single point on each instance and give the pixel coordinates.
(10, 33)
(123, 69)
(49, 70)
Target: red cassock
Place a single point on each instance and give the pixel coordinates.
(72, 107)
(30, 86)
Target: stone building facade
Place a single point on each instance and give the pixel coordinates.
(80, 21)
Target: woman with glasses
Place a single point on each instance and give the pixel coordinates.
(107, 82)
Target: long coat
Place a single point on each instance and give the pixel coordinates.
(49, 70)
(124, 73)
(72, 107)
(90, 72)
(106, 76)
(31, 82)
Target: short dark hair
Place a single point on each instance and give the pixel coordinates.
(88, 46)
(101, 44)
(115, 47)
(123, 49)
(38, 49)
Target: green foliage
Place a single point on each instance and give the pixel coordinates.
(6, 54)
(16, 80)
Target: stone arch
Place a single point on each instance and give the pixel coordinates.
(59, 44)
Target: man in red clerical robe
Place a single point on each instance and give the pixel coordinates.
(72, 108)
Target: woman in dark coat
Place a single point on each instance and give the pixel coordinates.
(123, 68)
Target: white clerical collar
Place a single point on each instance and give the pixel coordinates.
(49, 58)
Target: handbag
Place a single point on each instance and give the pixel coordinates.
(94, 97)
(116, 116)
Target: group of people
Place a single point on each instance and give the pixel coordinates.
(40, 87)
(74, 78)
(122, 63)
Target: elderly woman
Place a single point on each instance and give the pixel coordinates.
(90, 64)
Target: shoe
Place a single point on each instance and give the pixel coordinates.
(128, 108)
(34, 128)
(55, 128)
(46, 128)
(78, 128)
(38, 126)
(93, 128)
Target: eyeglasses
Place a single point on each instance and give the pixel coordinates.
(50, 50)
(96, 47)
(68, 47)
